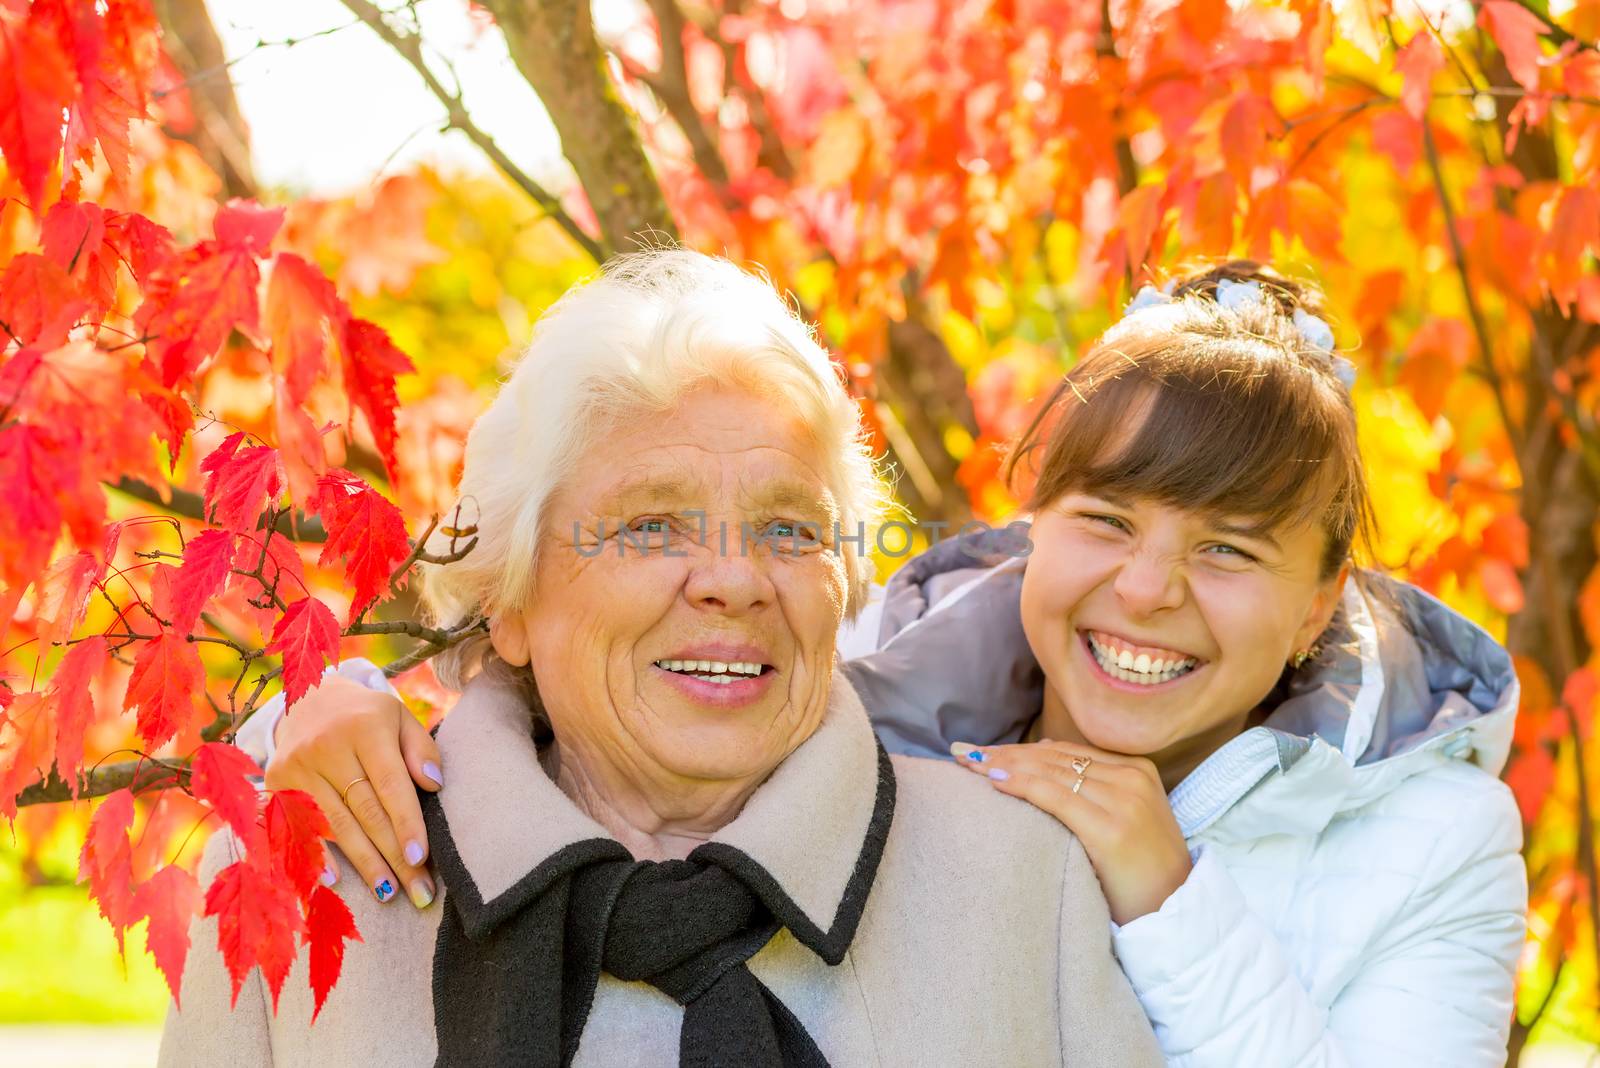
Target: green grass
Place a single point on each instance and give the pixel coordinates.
(59, 961)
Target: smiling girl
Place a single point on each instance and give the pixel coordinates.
(1282, 767)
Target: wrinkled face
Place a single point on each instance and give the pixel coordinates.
(1159, 628)
(687, 595)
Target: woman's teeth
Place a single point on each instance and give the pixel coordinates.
(718, 671)
(1141, 668)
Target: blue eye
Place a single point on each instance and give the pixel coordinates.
(1230, 550)
(790, 533)
(649, 526)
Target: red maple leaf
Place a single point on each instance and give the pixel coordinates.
(307, 635)
(25, 746)
(110, 52)
(170, 899)
(106, 862)
(299, 444)
(165, 678)
(1418, 62)
(329, 925)
(39, 302)
(43, 483)
(207, 562)
(295, 830)
(62, 596)
(301, 303)
(245, 226)
(145, 246)
(218, 776)
(37, 83)
(1516, 32)
(73, 235)
(257, 921)
(194, 302)
(371, 362)
(365, 529)
(239, 481)
(72, 687)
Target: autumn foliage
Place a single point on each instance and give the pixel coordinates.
(208, 471)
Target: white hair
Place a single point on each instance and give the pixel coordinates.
(651, 327)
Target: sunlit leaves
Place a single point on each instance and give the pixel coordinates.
(307, 636)
(365, 531)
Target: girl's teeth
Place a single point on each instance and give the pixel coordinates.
(1142, 669)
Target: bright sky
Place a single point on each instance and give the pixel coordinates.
(328, 114)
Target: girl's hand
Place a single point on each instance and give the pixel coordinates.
(1120, 814)
(340, 734)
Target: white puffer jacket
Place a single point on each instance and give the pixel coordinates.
(1358, 897)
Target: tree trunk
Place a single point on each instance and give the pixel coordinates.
(553, 44)
(220, 134)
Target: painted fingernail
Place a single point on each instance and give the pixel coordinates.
(431, 770)
(413, 853)
(970, 752)
(999, 774)
(421, 893)
(329, 876)
(383, 890)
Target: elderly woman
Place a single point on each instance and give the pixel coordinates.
(669, 835)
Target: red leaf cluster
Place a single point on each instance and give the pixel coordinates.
(365, 530)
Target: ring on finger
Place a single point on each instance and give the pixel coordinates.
(344, 795)
(1081, 766)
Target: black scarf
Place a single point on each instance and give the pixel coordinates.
(513, 978)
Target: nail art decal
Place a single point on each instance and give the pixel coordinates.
(384, 890)
(969, 752)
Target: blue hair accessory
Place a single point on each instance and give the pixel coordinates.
(1236, 296)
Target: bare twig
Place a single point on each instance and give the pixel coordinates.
(1480, 327)
(409, 46)
(670, 84)
(208, 73)
(773, 154)
(428, 652)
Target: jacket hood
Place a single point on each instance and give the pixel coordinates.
(1402, 682)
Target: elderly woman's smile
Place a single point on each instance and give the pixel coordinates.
(720, 673)
(686, 597)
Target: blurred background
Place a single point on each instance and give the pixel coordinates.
(961, 194)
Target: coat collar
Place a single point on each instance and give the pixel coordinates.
(814, 830)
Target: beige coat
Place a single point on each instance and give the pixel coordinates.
(985, 939)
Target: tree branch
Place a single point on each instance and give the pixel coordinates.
(409, 46)
(296, 525)
(1480, 327)
(144, 774)
(772, 154)
(670, 84)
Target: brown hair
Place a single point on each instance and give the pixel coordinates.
(1224, 411)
